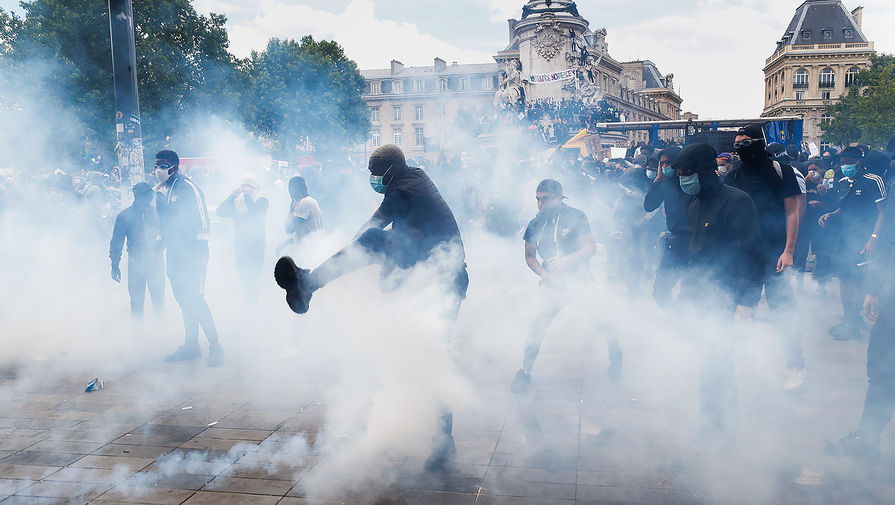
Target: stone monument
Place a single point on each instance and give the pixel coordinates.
(552, 54)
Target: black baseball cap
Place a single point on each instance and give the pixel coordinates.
(550, 186)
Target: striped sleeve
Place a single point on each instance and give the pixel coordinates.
(877, 186)
(204, 231)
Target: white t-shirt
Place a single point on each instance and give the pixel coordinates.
(308, 209)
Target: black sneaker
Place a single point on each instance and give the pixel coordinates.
(443, 457)
(521, 383)
(184, 353)
(295, 281)
(215, 355)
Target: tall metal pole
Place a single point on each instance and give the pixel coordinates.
(127, 103)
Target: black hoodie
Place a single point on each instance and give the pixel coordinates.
(725, 245)
(668, 191)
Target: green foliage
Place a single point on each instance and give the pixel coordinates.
(305, 90)
(63, 46)
(866, 112)
(56, 64)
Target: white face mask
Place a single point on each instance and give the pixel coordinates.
(162, 174)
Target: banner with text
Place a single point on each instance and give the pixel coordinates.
(563, 75)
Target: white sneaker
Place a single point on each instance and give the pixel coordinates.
(795, 379)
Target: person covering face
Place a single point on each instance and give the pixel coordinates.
(778, 196)
(725, 247)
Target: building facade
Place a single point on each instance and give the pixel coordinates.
(413, 106)
(552, 54)
(815, 63)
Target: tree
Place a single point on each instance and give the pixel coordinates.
(60, 54)
(305, 90)
(865, 113)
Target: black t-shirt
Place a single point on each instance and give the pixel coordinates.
(557, 235)
(420, 217)
(764, 185)
(859, 198)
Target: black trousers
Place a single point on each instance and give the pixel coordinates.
(879, 404)
(672, 266)
(187, 266)
(143, 273)
(386, 249)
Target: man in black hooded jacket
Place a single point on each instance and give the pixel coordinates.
(666, 189)
(779, 196)
(422, 223)
(879, 307)
(726, 268)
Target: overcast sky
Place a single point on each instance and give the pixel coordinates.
(715, 48)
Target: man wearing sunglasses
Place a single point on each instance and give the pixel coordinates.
(780, 199)
(184, 230)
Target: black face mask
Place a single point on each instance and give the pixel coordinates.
(752, 153)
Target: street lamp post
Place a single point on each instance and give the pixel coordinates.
(127, 103)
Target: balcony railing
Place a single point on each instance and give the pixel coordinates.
(800, 85)
(827, 85)
(819, 47)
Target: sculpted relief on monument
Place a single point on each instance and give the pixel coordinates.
(548, 38)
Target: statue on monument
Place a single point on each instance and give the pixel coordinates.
(510, 92)
(586, 86)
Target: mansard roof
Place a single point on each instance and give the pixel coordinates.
(821, 22)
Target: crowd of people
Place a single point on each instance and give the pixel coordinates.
(691, 225)
(554, 121)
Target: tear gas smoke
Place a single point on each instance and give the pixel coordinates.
(361, 378)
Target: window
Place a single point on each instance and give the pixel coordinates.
(800, 79)
(825, 118)
(374, 114)
(828, 33)
(396, 113)
(464, 83)
(399, 136)
(849, 33)
(420, 138)
(418, 113)
(377, 137)
(442, 111)
(375, 88)
(420, 86)
(850, 76)
(397, 86)
(442, 85)
(806, 34)
(487, 83)
(827, 78)
(825, 95)
(800, 95)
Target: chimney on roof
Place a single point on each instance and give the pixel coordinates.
(440, 65)
(858, 16)
(397, 67)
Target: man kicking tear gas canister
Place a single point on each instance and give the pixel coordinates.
(421, 223)
(561, 235)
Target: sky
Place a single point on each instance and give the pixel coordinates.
(716, 49)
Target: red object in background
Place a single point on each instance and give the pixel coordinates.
(186, 164)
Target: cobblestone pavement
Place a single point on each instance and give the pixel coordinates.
(575, 439)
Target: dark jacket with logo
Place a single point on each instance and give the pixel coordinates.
(183, 215)
(727, 257)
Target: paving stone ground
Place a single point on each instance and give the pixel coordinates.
(576, 439)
